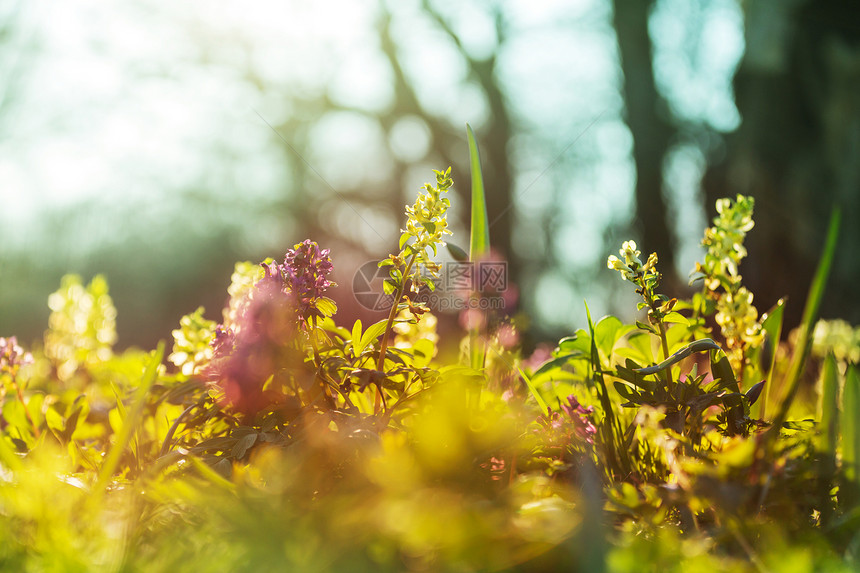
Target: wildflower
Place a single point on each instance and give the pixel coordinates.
(426, 220)
(82, 325)
(647, 279)
(735, 313)
(245, 275)
(191, 348)
(259, 344)
(574, 419)
(581, 417)
(631, 268)
(412, 267)
(724, 242)
(839, 337)
(304, 271)
(426, 224)
(12, 356)
(738, 320)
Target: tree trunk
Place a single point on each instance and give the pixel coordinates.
(652, 134)
(797, 150)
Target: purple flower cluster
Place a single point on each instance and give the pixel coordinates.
(305, 269)
(303, 275)
(573, 419)
(261, 341)
(12, 356)
(257, 346)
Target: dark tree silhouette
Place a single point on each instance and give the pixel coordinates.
(652, 133)
(797, 150)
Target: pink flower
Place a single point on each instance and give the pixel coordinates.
(305, 269)
(12, 356)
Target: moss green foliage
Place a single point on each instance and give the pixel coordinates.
(281, 440)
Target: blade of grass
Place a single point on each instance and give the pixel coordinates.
(851, 427)
(829, 422)
(772, 325)
(828, 406)
(479, 240)
(810, 314)
(130, 422)
(541, 402)
(617, 456)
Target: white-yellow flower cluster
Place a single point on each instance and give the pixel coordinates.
(725, 242)
(838, 337)
(631, 267)
(738, 320)
(426, 220)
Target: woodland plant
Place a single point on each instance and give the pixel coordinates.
(278, 439)
(722, 295)
(412, 267)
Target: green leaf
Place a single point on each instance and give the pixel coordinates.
(851, 425)
(579, 342)
(373, 332)
(479, 241)
(607, 331)
(326, 306)
(423, 351)
(329, 325)
(541, 402)
(828, 405)
(78, 414)
(629, 393)
(16, 418)
(129, 424)
(55, 421)
(676, 317)
(556, 362)
(722, 371)
(630, 374)
(646, 327)
(356, 335)
(772, 326)
(810, 314)
(457, 253)
(241, 447)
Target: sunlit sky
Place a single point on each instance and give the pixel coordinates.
(131, 103)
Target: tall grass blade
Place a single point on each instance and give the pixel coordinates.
(810, 314)
(772, 326)
(617, 456)
(479, 241)
(534, 391)
(851, 427)
(828, 406)
(130, 422)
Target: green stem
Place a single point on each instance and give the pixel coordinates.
(312, 335)
(663, 341)
(20, 394)
(383, 345)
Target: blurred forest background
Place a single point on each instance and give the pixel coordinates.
(158, 143)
